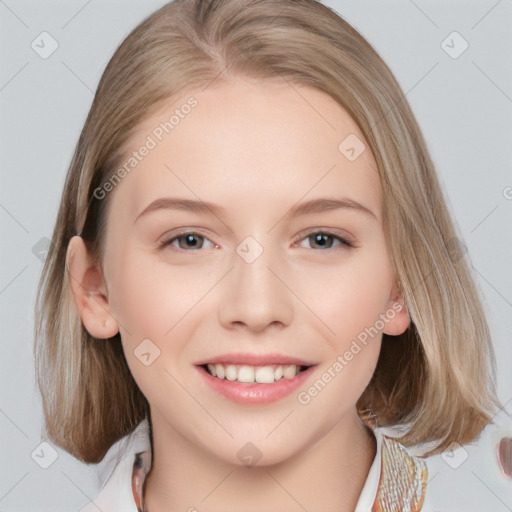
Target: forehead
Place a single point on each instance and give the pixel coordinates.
(244, 141)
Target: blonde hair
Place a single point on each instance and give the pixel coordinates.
(439, 376)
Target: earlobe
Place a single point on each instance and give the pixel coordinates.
(398, 319)
(89, 291)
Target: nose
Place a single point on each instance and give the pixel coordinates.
(255, 294)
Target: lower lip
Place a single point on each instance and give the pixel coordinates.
(254, 393)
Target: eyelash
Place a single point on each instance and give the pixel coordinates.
(343, 241)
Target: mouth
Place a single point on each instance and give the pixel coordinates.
(254, 384)
(250, 374)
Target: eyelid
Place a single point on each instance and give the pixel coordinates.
(344, 239)
(166, 240)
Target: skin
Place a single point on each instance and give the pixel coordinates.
(255, 148)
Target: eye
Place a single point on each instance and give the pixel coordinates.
(325, 240)
(316, 239)
(187, 240)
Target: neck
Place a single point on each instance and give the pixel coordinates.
(326, 476)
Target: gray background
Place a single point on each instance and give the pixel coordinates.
(463, 105)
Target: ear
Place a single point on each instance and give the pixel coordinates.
(89, 291)
(398, 319)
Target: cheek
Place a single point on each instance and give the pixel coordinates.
(349, 298)
(151, 301)
(350, 303)
(150, 296)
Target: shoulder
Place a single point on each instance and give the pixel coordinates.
(116, 495)
(115, 473)
(397, 479)
(474, 476)
(403, 479)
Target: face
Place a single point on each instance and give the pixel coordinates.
(255, 278)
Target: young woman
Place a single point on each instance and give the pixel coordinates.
(253, 271)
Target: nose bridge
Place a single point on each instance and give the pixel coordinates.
(253, 294)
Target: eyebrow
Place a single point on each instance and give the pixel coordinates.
(177, 203)
(325, 204)
(319, 205)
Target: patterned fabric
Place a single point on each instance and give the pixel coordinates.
(403, 480)
(402, 484)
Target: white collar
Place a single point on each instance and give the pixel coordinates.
(396, 481)
(369, 492)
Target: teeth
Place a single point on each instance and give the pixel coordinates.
(251, 374)
(246, 374)
(219, 371)
(231, 372)
(265, 375)
(290, 371)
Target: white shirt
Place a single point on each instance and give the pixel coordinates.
(467, 479)
(396, 482)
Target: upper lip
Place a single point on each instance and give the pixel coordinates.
(255, 359)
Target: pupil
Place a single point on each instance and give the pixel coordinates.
(320, 239)
(191, 241)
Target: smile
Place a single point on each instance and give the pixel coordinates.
(250, 374)
(252, 385)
